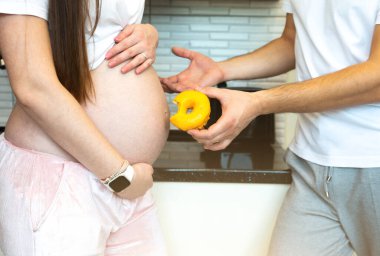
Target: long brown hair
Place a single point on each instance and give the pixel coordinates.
(67, 20)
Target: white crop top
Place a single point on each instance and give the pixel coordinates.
(115, 15)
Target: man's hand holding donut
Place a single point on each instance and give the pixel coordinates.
(238, 110)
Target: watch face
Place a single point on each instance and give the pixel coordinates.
(119, 184)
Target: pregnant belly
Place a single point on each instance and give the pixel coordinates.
(131, 111)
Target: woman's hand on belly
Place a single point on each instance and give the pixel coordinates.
(141, 182)
(136, 44)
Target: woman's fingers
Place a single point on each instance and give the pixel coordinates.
(144, 66)
(136, 51)
(140, 61)
(136, 44)
(124, 43)
(126, 32)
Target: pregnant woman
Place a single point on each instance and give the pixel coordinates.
(73, 176)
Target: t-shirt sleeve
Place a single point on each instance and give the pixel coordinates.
(287, 7)
(140, 13)
(378, 17)
(37, 8)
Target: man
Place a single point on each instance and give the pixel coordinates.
(333, 205)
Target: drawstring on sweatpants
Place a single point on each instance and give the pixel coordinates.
(328, 180)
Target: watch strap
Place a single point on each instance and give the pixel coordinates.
(123, 168)
(129, 173)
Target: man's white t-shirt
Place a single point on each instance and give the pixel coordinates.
(332, 35)
(115, 15)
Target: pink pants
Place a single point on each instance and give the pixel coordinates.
(50, 206)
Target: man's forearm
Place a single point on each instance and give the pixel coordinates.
(355, 85)
(275, 58)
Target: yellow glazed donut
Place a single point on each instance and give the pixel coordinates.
(193, 110)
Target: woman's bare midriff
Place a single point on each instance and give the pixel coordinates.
(130, 110)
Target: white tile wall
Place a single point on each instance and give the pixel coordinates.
(218, 28)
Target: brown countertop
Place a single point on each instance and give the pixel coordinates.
(244, 161)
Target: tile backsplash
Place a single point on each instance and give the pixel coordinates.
(220, 29)
(6, 98)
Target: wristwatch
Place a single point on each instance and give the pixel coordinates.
(121, 179)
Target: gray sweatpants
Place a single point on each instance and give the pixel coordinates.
(328, 211)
